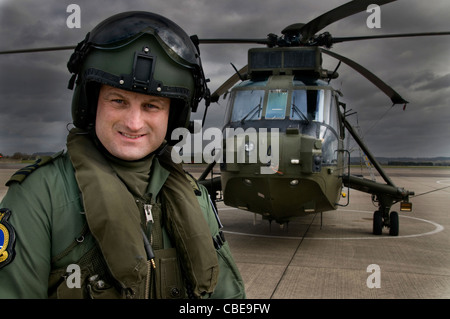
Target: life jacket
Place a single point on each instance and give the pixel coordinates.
(96, 281)
(169, 278)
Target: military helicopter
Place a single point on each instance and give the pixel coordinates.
(284, 87)
(301, 165)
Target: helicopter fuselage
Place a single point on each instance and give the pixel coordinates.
(288, 158)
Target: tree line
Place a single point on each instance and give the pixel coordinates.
(19, 156)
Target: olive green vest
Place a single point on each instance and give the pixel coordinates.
(123, 262)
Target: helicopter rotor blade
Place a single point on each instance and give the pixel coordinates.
(228, 84)
(350, 8)
(233, 41)
(385, 36)
(204, 41)
(38, 50)
(390, 92)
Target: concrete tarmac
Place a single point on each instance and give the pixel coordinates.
(341, 258)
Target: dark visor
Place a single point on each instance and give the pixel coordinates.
(131, 25)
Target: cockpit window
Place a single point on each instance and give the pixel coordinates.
(307, 105)
(314, 105)
(299, 106)
(276, 104)
(247, 105)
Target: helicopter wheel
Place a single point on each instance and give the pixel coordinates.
(377, 223)
(393, 230)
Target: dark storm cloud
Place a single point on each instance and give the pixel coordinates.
(35, 103)
(417, 68)
(435, 83)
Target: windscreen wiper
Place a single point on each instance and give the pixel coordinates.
(299, 112)
(253, 111)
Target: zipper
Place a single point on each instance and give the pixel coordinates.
(147, 282)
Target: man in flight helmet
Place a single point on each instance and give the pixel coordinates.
(114, 217)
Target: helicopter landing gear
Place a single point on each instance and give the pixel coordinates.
(379, 222)
(384, 218)
(393, 229)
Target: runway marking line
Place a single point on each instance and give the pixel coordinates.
(438, 228)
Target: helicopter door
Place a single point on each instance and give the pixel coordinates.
(317, 110)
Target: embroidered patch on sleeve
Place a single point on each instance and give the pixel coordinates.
(7, 238)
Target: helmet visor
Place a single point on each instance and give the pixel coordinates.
(131, 25)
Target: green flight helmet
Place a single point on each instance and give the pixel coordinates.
(141, 52)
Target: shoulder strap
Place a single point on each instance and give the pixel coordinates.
(24, 172)
(193, 183)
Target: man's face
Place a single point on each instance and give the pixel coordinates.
(131, 125)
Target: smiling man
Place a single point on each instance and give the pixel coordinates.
(114, 216)
(131, 125)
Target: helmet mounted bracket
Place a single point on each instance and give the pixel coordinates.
(142, 74)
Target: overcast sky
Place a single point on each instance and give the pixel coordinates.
(35, 102)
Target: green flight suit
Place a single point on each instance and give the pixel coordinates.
(50, 228)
